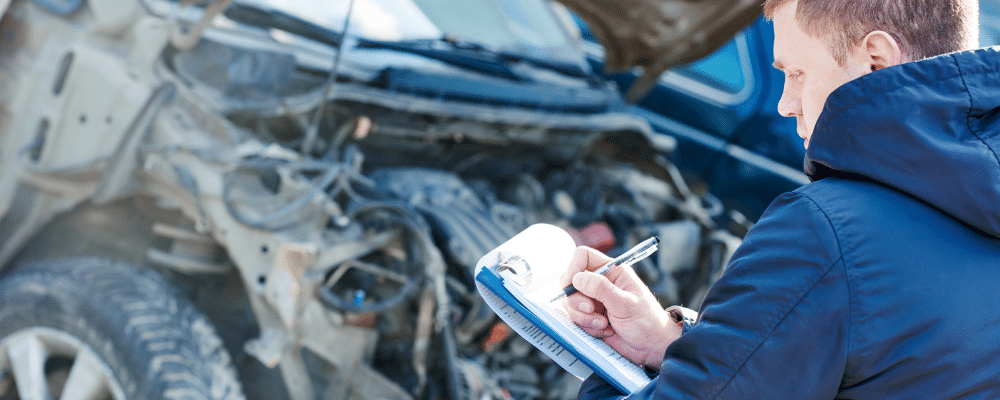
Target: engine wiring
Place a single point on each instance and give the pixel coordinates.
(336, 179)
(329, 87)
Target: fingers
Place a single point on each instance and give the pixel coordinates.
(580, 308)
(599, 288)
(588, 315)
(584, 259)
(627, 279)
(600, 333)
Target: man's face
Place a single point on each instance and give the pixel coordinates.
(811, 72)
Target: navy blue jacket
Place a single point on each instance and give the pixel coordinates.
(881, 278)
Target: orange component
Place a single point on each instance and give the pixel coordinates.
(361, 320)
(599, 236)
(497, 334)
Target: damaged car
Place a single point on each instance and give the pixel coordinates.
(286, 200)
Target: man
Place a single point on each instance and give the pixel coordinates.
(881, 278)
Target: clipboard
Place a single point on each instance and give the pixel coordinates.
(517, 278)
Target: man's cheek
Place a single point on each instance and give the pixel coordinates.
(812, 106)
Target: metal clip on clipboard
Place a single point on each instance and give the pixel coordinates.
(514, 267)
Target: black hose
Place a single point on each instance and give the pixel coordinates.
(282, 218)
(395, 213)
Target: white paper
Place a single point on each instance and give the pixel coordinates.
(546, 250)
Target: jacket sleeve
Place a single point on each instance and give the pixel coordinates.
(776, 325)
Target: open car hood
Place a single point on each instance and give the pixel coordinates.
(659, 34)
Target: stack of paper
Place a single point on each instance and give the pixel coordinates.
(519, 278)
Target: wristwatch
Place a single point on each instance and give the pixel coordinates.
(686, 318)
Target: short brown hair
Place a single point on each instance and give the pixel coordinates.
(923, 28)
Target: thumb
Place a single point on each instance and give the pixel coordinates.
(583, 258)
(598, 287)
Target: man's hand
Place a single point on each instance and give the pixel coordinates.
(619, 308)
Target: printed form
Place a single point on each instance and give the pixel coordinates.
(518, 279)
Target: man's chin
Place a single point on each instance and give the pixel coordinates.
(801, 131)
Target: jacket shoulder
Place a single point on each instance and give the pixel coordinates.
(757, 323)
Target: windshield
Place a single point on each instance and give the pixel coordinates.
(526, 27)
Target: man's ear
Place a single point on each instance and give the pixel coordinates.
(880, 50)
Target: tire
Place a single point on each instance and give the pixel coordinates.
(124, 326)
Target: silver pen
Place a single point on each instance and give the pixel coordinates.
(634, 255)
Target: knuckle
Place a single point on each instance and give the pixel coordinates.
(601, 286)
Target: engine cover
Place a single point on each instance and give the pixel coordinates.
(464, 225)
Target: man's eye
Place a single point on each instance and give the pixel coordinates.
(794, 75)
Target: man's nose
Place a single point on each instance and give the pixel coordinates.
(790, 104)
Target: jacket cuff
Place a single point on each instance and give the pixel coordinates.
(685, 317)
(596, 388)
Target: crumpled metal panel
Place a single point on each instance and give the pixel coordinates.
(659, 34)
(250, 77)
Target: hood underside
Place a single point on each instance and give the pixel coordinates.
(659, 34)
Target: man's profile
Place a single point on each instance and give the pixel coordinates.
(877, 280)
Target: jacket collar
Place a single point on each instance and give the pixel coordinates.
(929, 128)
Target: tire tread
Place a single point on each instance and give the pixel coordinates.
(164, 348)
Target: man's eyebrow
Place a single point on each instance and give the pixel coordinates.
(777, 64)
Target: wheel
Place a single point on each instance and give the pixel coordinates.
(93, 329)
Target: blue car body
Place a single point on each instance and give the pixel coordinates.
(722, 110)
